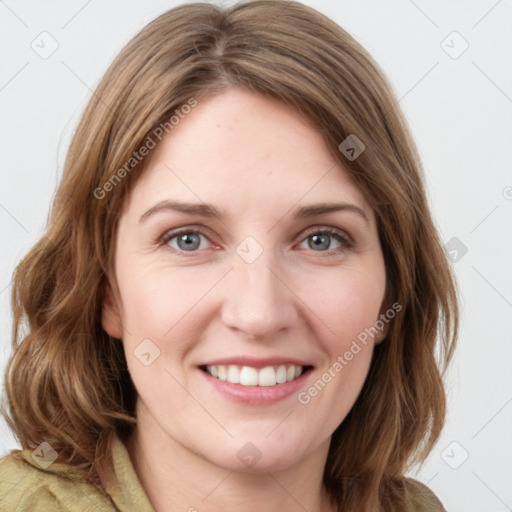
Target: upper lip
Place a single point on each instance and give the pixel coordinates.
(255, 362)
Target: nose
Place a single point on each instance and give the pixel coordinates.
(259, 302)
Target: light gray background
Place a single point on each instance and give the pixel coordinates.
(460, 111)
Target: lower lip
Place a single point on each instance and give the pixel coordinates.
(256, 395)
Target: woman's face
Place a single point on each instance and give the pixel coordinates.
(256, 283)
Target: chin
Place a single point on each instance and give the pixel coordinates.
(256, 455)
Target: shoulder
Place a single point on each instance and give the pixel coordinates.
(420, 498)
(24, 486)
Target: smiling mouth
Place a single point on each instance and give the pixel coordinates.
(249, 376)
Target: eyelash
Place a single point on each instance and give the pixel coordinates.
(346, 242)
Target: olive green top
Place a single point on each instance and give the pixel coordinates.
(30, 485)
(26, 485)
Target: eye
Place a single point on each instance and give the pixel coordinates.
(185, 240)
(321, 240)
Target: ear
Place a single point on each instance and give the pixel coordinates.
(381, 335)
(110, 318)
(382, 323)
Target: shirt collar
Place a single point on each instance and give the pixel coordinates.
(123, 485)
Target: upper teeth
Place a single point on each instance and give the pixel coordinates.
(248, 376)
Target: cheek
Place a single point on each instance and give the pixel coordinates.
(146, 303)
(350, 305)
(159, 302)
(350, 308)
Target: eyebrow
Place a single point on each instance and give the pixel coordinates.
(210, 211)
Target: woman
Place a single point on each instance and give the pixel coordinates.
(236, 302)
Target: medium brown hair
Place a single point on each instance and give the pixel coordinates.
(67, 381)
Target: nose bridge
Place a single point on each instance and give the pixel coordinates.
(257, 280)
(258, 302)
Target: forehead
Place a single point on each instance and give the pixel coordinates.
(239, 150)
